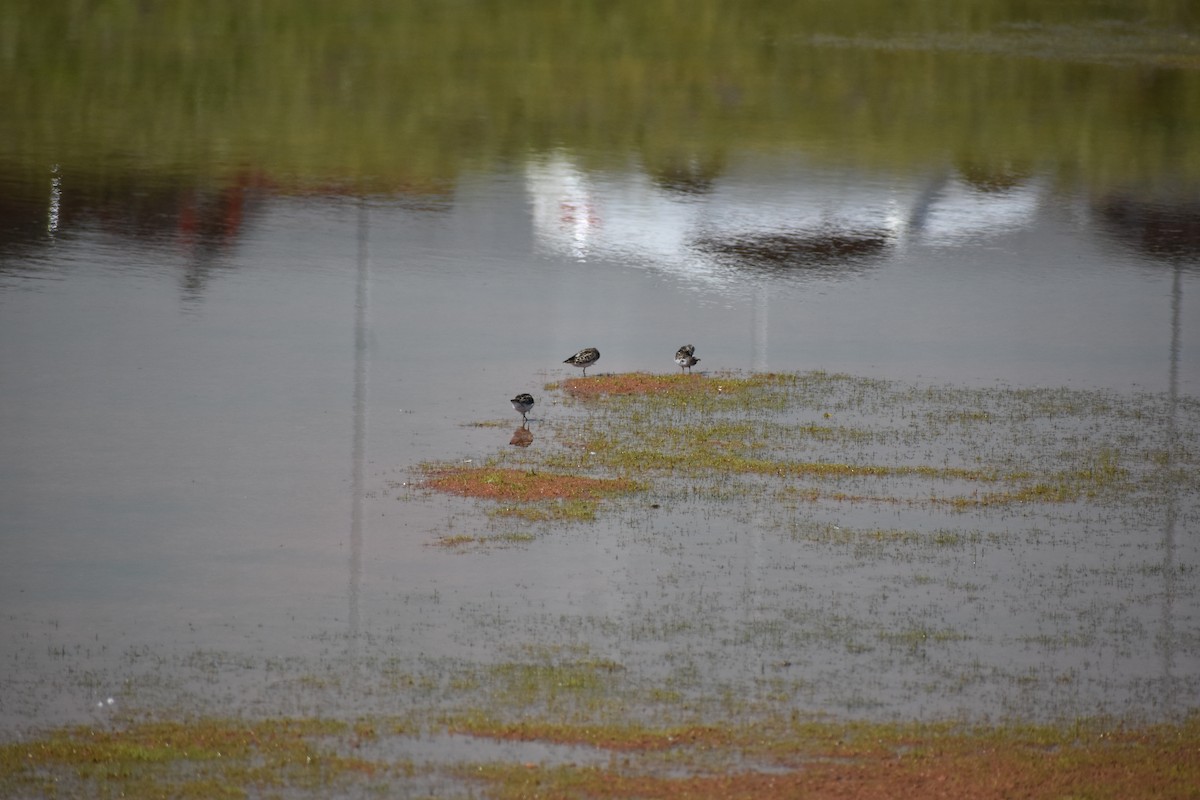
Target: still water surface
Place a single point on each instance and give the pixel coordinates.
(203, 432)
(218, 380)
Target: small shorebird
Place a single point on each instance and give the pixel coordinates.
(584, 358)
(523, 403)
(685, 357)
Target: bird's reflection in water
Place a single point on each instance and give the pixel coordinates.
(522, 437)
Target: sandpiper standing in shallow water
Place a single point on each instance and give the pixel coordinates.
(584, 358)
(685, 357)
(523, 403)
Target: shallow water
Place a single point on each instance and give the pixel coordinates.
(202, 440)
(215, 398)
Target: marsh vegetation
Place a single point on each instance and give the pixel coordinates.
(984, 568)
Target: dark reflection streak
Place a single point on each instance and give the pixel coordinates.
(1168, 626)
(918, 216)
(360, 423)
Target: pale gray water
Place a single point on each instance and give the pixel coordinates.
(201, 434)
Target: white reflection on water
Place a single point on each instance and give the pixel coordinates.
(55, 201)
(978, 277)
(798, 217)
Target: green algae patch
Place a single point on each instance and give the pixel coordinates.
(560, 511)
(524, 486)
(830, 437)
(195, 758)
(463, 541)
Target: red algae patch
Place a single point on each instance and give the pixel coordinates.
(1161, 763)
(985, 776)
(642, 383)
(515, 485)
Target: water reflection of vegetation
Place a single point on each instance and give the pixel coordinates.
(409, 95)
